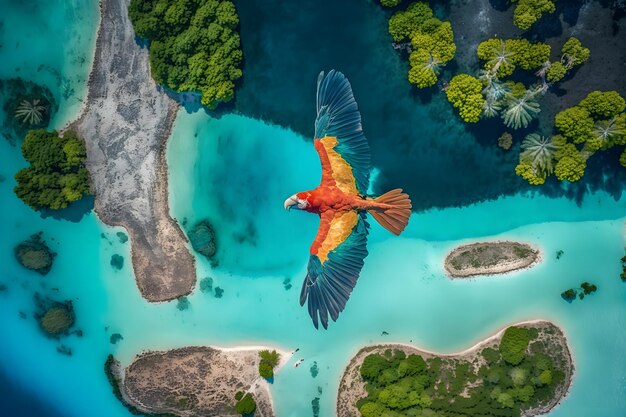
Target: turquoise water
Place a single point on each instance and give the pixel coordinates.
(50, 43)
(236, 171)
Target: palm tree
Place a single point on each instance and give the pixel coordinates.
(432, 64)
(30, 112)
(491, 107)
(539, 152)
(607, 130)
(494, 88)
(502, 56)
(520, 110)
(568, 61)
(541, 72)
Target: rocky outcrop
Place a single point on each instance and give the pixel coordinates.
(126, 124)
(35, 255)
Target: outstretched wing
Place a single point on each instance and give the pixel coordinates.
(339, 138)
(337, 256)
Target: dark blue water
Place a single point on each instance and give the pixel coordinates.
(15, 401)
(417, 141)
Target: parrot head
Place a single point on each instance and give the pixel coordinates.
(298, 201)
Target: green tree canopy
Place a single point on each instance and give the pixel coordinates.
(528, 12)
(390, 3)
(571, 167)
(513, 344)
(432, 42)
(574, 53)
(603, 104)
(528, 55)
(269, 360)
(556, 72)
(56, 175)
(194, 46)
(498, 56)
(464, 92)
(575, 123)
(245, 405)
(404, 23)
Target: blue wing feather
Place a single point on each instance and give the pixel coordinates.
(328, 286)
(338, 115)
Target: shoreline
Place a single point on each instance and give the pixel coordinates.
(344, 407)
(126, 122)
(245, 378)
(502, 268)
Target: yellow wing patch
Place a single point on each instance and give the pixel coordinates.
(340, 228)
(341, 171)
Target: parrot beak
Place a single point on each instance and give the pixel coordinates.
(290, 202)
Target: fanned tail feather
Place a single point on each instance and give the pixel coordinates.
(396, 217)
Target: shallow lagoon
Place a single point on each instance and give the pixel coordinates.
(237, 172)
(402, 290)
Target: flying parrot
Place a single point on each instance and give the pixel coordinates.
(340, 247)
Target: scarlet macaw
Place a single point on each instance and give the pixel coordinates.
(339, 249)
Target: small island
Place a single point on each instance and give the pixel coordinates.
(195, 381)
(523, 370)
(489, 258)
(586, 288)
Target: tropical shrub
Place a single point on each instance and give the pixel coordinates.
(194, 46)
(575, 123)
(432, 42)
(570, 167)
(246, 405)
(574, 53)
(505, 141)
(555, 72)
(464, 92)
(57, 174)
(424, 68)
(268, 362)
(528, 12)
(603, 104)
(516, 89)
(528, 55)
(513, 344)
(525, 170)
(403, 24)
(390, 3)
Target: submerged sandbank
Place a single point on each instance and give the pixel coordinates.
(489, 258)
(126, 124)
(550, 340)
(197, 381)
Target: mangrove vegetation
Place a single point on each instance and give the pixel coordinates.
(526, 370)
(56, 175)
(194, 45)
